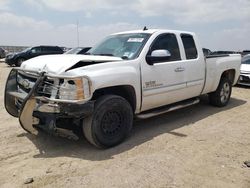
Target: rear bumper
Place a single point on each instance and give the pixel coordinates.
(35, 111)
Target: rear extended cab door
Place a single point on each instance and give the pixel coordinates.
(178, 78)
(194, 64)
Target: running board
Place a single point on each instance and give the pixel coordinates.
(168, 108)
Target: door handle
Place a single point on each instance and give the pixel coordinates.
(179, 69)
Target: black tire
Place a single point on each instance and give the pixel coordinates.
(19, 62)
(221, 96)
(110, 123)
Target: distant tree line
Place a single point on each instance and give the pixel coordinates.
(13, 49)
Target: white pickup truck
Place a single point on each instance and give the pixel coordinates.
(135, 74)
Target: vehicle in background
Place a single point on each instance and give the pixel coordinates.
(2, 53)
(65, 49)
(245, 52)
(131, 74)
(244, 78)
(206, 51)
(78, 50)
(17, 58)
(224, 52)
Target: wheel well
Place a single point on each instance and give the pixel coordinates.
(124, 91)
(17, 59)
(230, 74)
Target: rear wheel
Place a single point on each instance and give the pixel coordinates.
(222, 94)
(110, 123)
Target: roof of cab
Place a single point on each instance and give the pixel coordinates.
(151, 31)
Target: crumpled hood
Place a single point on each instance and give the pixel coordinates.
(245, 68)
(60, 63)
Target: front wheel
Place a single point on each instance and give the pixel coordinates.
(110, 123)
(19, 62)
(222, 94)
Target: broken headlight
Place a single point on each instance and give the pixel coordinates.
(74, 89)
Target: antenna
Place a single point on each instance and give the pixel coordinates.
(77, 32)
(145, 28)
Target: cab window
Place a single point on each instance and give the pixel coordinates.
(167, 42)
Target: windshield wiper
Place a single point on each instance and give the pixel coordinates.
(124, 57)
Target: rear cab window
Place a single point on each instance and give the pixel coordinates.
(189, 46)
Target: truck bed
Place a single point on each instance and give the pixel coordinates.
(215, 66)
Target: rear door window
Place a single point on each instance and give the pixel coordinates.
(46, 49)
(189, 46)
(51, 50)
(56, 49)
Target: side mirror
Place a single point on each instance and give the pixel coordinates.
(158, 56)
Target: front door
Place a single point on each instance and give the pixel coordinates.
(164, 81)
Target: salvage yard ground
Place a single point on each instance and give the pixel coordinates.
(199, 146)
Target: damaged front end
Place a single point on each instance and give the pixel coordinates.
(55, 104)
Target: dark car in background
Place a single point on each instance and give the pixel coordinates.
(206, 51)
(223, 53)
(17, 58)
(2, 53)
(78, 50)
(245, 52)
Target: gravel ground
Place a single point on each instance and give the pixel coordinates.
(199, 146)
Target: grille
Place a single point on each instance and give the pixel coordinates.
(245, 78)
(26, 81)
(45, 89)
(51, 87)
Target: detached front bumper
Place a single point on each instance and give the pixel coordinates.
(35, 111)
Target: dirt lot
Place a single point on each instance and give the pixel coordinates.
(200, 146)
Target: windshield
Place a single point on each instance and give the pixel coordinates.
(126, 46)
(246, 60)
(74, 51)
(27, 49)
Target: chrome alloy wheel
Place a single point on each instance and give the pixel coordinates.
(225, 92)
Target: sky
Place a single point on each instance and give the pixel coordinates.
(219, 24)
